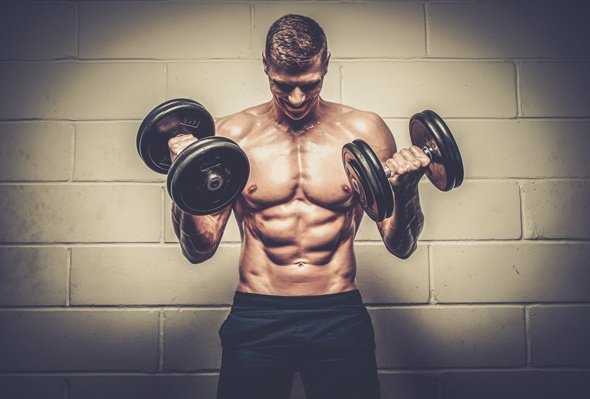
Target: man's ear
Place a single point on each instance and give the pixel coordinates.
(328, 55)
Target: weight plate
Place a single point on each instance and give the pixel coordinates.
(368, 180)
(207, 175)
(425, 133)
(379, 173)
(169, 119)
(450, 144)
(356, 177)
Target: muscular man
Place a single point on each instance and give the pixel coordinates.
(297, 306)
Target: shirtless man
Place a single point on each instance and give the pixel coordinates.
(297, 306)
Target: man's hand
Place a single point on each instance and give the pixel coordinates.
(178, 143)
(407, 166)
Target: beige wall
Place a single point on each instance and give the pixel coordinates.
(96, 300)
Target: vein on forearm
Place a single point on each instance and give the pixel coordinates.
(401, 231)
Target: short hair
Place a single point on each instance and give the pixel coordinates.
(293, 41)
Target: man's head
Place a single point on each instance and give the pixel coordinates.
(296, 59)
(293, 42)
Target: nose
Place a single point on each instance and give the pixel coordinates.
(296, 97)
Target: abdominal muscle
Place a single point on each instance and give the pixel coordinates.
(297, 248)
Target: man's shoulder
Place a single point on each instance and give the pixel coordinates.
(361, 122)
(239, 124)
(350, 115)
(366, 125)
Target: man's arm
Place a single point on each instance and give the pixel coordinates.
(401, 230)
(199, 236)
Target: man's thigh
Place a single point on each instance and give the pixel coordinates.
(251, 373)
(342, 376)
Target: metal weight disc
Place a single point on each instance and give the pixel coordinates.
(379, 174)
(428, 130)
(167, 120)
(450, 144)
(368, 180)
(207, 175)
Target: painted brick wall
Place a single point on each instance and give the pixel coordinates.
(96, 300)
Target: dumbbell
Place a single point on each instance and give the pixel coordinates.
(208, 174)
(369, 179)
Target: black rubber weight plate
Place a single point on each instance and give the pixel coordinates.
(424, 133)
(363, 174)
(354, 173)
(189, 181)
(451, 146)
(379, 173)
(169, 119)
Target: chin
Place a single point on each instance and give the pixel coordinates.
(298, 116)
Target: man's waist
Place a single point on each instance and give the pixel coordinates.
(346, 298)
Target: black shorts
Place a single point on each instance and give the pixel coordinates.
(328, 339)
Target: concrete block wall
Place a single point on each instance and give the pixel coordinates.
(96, 300)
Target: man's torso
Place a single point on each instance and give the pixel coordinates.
(297, 213)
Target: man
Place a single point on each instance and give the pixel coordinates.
(297, 306)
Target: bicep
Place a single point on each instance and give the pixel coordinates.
(385, 145)
(377, 134)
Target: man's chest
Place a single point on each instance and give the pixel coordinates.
(298, 168)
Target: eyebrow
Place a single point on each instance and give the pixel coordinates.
(280, 82)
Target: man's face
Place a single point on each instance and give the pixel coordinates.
(297, 93)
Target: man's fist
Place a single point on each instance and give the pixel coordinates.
(178, 143)
(407, 166)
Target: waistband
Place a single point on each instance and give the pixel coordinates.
(348, 298)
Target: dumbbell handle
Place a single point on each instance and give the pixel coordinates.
(429, 151)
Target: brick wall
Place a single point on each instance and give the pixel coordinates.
(96, 300)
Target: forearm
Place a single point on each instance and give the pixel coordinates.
(199, 236)
(400, 232)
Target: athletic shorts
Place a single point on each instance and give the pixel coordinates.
(328, 339)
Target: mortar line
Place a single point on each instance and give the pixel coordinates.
(233, 244)
(215, 372)
(77, 28)
(431, 298)
(252, 29)
(104, 60)
(341, 70)
(69, 277)
(446, 370)
(117, 244)
(118, 308)
(209, 307)
(73, 156)
(426, 31)
(158, 182)
(81, 183)
(517, 72)
(163, 218)
(438, 391)
(166, 80)
(161, 321)
(527, 335)
(522, 210)
(107, 120)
